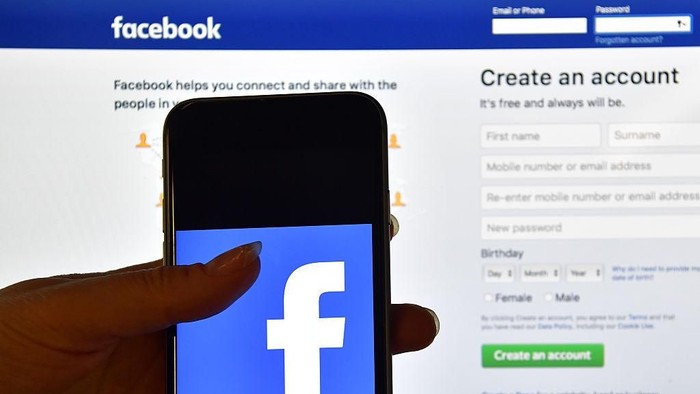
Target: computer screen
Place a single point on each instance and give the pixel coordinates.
(544, 160)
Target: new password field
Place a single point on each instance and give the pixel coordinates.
(540, 135)
(590, 227)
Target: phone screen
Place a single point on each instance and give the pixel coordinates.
(307, 318)
(306, 176)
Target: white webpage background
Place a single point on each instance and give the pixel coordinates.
(78, 196)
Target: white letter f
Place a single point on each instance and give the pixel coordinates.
(117, 25)
(302, 333)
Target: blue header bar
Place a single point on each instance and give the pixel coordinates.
(346, 24)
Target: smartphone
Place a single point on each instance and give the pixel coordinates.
(306, 175)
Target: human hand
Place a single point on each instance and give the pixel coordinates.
(105, 332)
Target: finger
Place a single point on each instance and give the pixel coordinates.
(39, 283)
(131, 303)
(28, 285)
(137, 267)
(412, 328)
(393, 226)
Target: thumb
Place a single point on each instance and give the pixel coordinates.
(131, 303)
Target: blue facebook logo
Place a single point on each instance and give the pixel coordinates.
(305, 326)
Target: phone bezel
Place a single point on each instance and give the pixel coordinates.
(305, 110)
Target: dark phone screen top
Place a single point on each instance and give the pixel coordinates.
(279, 161)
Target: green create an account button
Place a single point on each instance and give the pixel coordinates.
(579, 355)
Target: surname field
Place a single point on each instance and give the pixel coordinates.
(540, 135)
(590, 227)
(653, 134)
(590, 166)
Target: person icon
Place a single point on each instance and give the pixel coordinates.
(398, 202)
(142, 141)
(394, 142)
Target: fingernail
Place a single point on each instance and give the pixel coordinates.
(234, 260)
(435, 319)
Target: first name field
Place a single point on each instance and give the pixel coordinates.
(540, 135)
